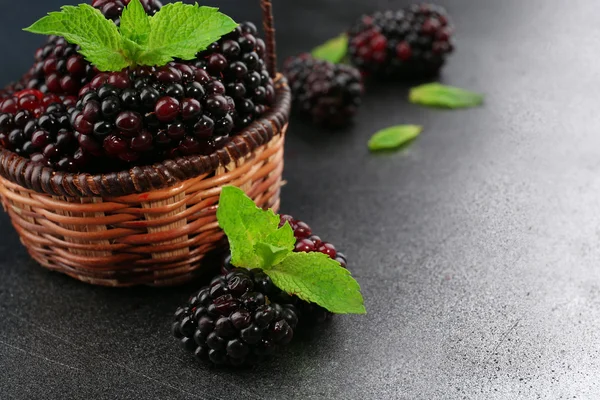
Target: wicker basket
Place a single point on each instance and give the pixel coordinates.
(149, 225)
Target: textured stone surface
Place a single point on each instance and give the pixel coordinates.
(477, 247)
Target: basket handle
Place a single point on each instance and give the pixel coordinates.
(269, 27)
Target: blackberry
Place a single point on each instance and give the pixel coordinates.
(112, 9)
(410, 43)
(306, 241)
(149, 114)
(59, 68)
(329, 93)
(233, 322)
(37, 126)
(237, 61)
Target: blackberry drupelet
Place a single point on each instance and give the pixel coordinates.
(306, 241)
(410, 43)
(150, 114)
(37, 126)
(233, 322)
(329, 93)
(237, 60)
(59, 68)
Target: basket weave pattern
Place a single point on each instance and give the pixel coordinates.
(150, 225)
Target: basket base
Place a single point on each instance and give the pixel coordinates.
(159, 238)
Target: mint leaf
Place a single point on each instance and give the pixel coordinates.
(271, 255)
(443, 96)
(246, 225)
(97, 36)
(135, 23)
(181, 31)
(334, 50)
(316, 278)
(394, 137)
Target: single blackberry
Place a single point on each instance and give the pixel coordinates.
(307, 242)
(37, 126)
(233, 322)
(410, 43)
(237, 61)
(329, 93)
(149, 114)
(112, 9)
(59, 68)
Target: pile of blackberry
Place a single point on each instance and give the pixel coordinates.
(328, 93)
(149, 114)
(36, 125)
(410, 43)
(242, 317)
(233, 322)
(59, 68)
(237, 60)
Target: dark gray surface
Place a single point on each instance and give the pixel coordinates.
(476, 247)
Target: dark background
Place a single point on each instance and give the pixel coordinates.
(476, 247)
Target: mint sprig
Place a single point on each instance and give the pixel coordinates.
(257, 241)
(176, 31)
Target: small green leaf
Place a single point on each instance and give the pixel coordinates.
(182, 30)
(394, 137)
(271, 255)
(84, 25)
(316, 278)
(443, 96)
(246, 225)
(135, 23)
(334, 50)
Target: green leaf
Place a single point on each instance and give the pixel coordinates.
(443, 96)
(394, 137)
(84, 25)
(181, 31)
(135, 23)
(334, 50)
(271, 255)
(316, 278)
(246, 225)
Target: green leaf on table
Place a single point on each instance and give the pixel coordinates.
(316, 278)
(334, 50)
(394, 137)
(443, 96)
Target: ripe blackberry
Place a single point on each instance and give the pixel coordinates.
(149, 114)
(237, 61)
(59, 68)
(233, 322)
(410, 43)
(37, 126)
(329, 93)
(307, 242)
(112, 9)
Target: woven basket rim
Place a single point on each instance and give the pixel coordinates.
(144, 179)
